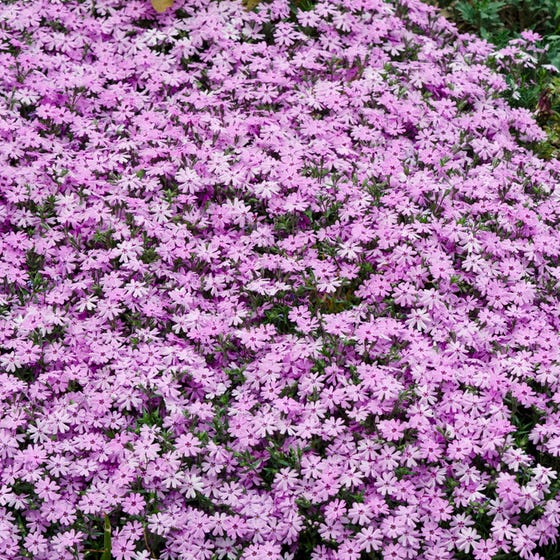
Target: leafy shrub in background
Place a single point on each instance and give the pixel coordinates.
(499, 21)
(278, 284)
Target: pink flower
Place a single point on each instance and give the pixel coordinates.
(466, 539)
(524, 541)
(369, 539)
(484, 549)
(133, 504)
(386, 483)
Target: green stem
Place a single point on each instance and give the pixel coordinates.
(107, 539)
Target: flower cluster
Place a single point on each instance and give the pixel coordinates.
(275, 284)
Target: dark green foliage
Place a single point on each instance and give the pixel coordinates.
(502, 20)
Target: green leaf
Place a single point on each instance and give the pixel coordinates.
(467, 11)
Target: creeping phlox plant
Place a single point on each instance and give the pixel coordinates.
(273, 285)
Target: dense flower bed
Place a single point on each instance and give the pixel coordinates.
(272, 285)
